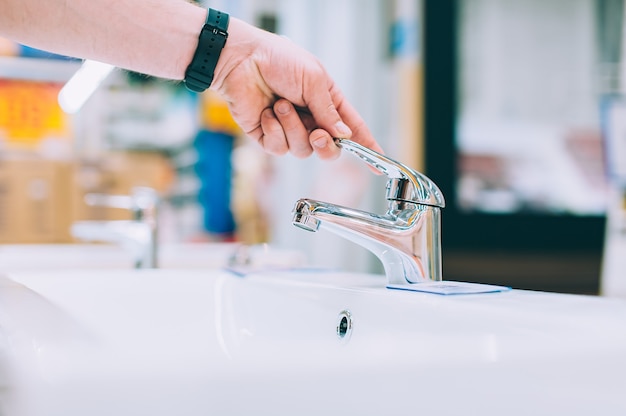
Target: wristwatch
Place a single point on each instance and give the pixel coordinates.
(200, 72)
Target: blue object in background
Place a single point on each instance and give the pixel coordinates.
(214, 169)
(28, 52)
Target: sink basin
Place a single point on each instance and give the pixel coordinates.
(172, 255)
(299, 342)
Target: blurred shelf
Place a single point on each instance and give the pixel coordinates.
(37, 69)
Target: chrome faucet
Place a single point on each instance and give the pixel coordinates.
(138, 235)
(406, 239)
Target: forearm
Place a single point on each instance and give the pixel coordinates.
(154, 37)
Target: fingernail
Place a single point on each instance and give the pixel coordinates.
(320, 143)
(283, 108)
(344, 131)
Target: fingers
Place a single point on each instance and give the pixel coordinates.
(284, 131)
(324, 145)
(287, 130)
(294, 130)
(301, 133)
(273, 138)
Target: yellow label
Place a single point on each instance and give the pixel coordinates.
(29, 112)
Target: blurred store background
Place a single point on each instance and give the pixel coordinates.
(510, 106)
(516, 101)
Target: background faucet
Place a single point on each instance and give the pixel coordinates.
(138, 235)
(406, 239)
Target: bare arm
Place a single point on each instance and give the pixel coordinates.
(278, 93)
(154, 37)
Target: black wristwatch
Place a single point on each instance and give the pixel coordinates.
(200, 72)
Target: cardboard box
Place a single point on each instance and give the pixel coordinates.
(35, 201)
(41, 198)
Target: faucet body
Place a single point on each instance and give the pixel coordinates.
(406, 239)
(139, 235)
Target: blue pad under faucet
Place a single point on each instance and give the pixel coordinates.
(447, 287)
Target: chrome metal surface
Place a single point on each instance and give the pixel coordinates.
(404, 183)
(406, 239)
(139, 235)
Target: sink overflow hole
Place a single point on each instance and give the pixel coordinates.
(344, 324)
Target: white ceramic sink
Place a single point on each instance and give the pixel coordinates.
(173, 255)
(198, 342)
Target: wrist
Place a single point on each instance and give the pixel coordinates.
(241, 44)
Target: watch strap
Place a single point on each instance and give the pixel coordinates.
(200, 72)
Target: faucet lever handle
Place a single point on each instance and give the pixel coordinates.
(380, 162)
(405, 184)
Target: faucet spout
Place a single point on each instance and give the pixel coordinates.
(406, 242)
(139, 235)
(406, 239)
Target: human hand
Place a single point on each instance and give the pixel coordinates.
(282, 97)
